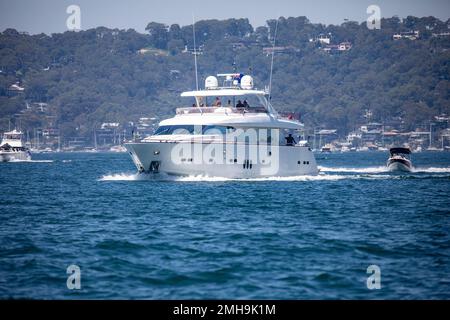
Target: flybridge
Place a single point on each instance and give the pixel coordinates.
(234, 84)
(237, 88)
(222, 92)
(232, 80)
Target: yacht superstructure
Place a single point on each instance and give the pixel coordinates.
(229, 131)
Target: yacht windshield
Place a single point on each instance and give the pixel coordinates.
(12, 137)
(191, 129)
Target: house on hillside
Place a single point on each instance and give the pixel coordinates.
(322, 39)
(288, 49)
(15, 89)
(440, 35)
(196, 51)
(411, 35)
(153, 51)
(338, 48)
(108, 134)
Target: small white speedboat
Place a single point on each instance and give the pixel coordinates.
(399, 160)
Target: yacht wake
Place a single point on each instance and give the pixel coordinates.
(31, 161)
(379, 169)
(202, 178)
(432, 170)
(124, 177)
(326, 174)
(319, 177)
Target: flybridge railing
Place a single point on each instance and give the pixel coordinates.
(220, 110)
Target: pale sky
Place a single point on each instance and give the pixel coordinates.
(49, 16)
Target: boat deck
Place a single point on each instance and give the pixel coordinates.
(217, 110)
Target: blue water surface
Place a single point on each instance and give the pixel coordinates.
(212, 238)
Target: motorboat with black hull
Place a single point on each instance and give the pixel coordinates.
(399, 160)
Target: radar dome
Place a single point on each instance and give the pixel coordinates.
(211, 82)
(247, 82)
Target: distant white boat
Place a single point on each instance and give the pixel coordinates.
(327, 148)
(118, 148)
(399, 160)
(12, 148)
(47, 150)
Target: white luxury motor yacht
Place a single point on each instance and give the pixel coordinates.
(228, 131)
(12, 147)
(399, 159)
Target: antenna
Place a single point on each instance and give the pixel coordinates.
(271, 64)
(195, 52)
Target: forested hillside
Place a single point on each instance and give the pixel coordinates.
(103, 75)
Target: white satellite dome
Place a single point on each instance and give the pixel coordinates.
(211, 82)
(247, 82)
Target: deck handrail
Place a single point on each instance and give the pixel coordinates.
(214, 109)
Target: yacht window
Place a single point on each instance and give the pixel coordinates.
(178, 129)
(191, 129)
(217, 130)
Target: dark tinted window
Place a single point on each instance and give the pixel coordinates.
(189, 129)
(179, 129)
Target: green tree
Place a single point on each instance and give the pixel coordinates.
(159, 34)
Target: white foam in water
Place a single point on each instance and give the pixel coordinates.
(200, 178)
(380, 169)
(291, 178)
(157, 177)
(326, 174)
(31, 161)
(121, 177)
(432, 170)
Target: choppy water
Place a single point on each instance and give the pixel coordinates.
(198, 237)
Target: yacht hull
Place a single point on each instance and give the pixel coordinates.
(164, 157)
(6, 156)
